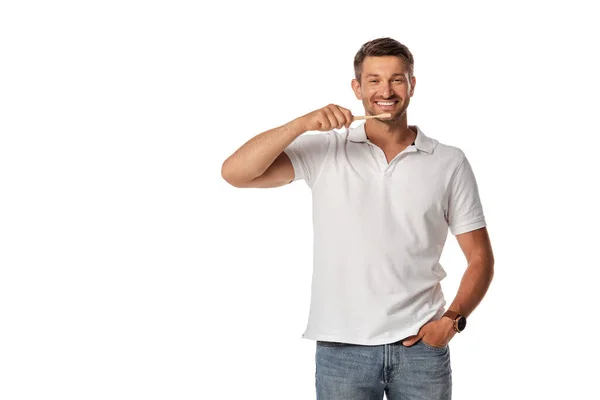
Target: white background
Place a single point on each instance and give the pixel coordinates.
(130, 270)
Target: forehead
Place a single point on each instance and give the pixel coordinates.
(385, 65)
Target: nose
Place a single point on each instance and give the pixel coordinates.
(387, 91)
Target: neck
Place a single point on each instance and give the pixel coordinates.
(390, 133)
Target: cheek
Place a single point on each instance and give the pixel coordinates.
(369, 93)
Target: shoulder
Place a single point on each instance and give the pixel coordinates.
(317, 137)
(444, 154)
(311, 141)
(449, 153)
(453, 161)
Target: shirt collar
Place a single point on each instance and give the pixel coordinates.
(422, 142)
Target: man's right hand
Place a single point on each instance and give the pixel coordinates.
(262, 162)
(325, 119)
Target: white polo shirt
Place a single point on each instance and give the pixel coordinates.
(379, 231)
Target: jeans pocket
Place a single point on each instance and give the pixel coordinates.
(429, 346)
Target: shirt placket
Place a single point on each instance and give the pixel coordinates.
(385, 167)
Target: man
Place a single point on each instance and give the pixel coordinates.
(384, 197)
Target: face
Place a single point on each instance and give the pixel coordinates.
(384, 86)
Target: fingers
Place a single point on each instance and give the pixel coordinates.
(349, 117)
(331, 119)
(409, 341)
(343, 116)
(334, 117)
(326, 119)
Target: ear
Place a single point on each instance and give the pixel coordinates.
(356, 89)
(413, 82)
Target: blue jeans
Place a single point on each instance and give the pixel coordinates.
(356, 372)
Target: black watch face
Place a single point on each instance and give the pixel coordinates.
(462, 322)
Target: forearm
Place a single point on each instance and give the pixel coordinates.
(256, 155)
(474, 285)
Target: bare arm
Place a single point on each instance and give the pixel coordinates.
(261, 162)
(246, 166)
(476, 280)
(473, 286)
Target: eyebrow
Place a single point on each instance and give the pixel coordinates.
(377, 76)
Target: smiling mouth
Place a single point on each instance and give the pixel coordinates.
(386, 104)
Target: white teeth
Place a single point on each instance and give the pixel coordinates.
(391, 103)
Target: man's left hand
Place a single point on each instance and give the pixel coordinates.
(436, 333)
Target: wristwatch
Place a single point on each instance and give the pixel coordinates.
(460, 321)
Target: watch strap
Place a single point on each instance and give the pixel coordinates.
(453, 315)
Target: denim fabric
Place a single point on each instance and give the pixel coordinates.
(357, 372)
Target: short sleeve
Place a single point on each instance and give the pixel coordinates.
(307, 154)
(465, 212)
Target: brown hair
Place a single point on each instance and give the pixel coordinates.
(383, 47)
